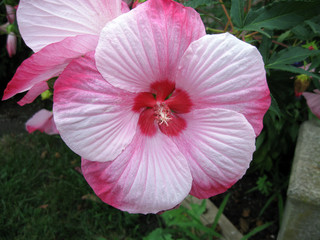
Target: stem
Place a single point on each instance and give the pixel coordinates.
(214, 30)
(251, 34)
(249, 5)
(227, 15)
(226, 27)
(281, 44)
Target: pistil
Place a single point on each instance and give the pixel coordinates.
(162, 113)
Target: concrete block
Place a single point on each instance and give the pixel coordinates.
(301, 220)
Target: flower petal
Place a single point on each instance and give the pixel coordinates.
(151, 175)
(220, 71)
(42, 22)
(93, 118)
(124, 7)
(218, 145)
(48, 63)
(42, 121)
(33, 93)
(313, 101)
(144, 45)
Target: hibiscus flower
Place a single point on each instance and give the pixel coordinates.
(161, 110)
(57, 31)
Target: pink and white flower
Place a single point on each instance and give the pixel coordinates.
(313, 101)
(43, 122)
(57, 31)
(166, 110)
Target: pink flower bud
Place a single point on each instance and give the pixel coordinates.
(11, 13)
(11, 44)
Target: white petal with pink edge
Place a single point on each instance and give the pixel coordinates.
(218, 145)
(150, 176)
(93, 118)
(144, 45)
(221, 71)
(313, 101)
(42, 22)
(48, 63)
(42, 121)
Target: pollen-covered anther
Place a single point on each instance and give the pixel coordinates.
(162, 113)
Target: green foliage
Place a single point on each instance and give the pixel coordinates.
(188, 222)
(237, 13)
(185, 223)
(264, 186)
(198, 3)
(278, 16)
(11, 2)
(256, 230)
(159, 234)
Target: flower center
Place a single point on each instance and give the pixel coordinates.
(162, 113)
(160, 109)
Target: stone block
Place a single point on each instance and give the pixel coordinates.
(301, 219)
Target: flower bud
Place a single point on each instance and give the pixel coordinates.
(301, 83)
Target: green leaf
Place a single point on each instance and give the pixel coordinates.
(303, 32)
(220, 211)
(315, 62)
(158, 234)
(264, 48)
(289, 68)
(284, 36)
(274, 107)
(256, 230)
(314, 26)
(290, 56)
(237, 12)
(198, 3)
(280, 16)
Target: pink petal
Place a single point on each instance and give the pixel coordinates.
(42, 22)
(42, 121)
(33, 93)
(11, 44)
(94, 118)
(220, 71)
(48, 63)
(313, 101)
(144, 45)
(218, 145)
(124, 7)
(151, 175)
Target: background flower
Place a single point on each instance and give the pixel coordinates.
(57, 31)
(313, 100)
(42, 121)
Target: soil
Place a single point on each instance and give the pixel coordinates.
(243, 208)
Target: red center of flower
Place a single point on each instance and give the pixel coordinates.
(161, 108)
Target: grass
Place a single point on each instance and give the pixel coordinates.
(43, 196)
